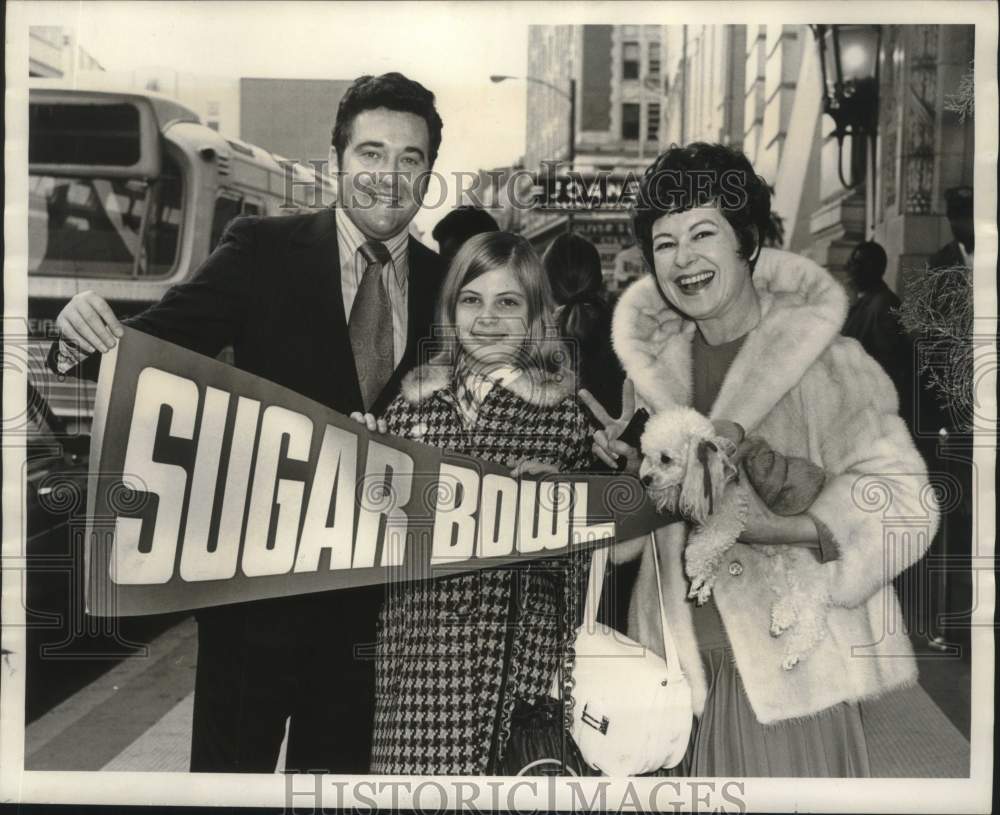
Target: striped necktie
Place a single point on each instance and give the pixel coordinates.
(370, 325)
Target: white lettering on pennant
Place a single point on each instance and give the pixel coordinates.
(333, 483)
(549, 501)
(258, 559)
(584, 532)
(234, 500)
(383, 496)
(497, 516)
(197, 563)
(454, 526)
(153, 390)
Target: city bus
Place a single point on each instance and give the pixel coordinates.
(128, 194)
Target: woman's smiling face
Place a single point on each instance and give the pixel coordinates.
(698, 264)
(491, 317)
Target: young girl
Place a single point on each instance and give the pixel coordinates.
(462, 660)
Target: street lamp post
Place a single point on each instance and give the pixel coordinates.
(571, 97)
(849, 61)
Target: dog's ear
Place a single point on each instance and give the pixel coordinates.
(695, 502)
(709, 470)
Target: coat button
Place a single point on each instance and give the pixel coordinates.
(735, 568)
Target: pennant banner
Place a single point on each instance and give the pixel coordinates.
(209, 485)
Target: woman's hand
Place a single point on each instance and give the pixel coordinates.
(368, 420)
(616, 454)
(766, 527)
(529, 467)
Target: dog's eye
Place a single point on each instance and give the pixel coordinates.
(665, 459)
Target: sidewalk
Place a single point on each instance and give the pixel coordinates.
(137, 717)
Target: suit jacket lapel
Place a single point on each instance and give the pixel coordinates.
(320, 260)
(420, 303)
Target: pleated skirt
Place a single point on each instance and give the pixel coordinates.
(729, 741)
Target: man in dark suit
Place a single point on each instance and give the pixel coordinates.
(872, 318)
(333, 305)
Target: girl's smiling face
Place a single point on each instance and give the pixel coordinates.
(491, 317)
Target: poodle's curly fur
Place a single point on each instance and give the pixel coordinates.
(706, 490)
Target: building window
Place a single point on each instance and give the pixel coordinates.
(654, 60)
(630, 122)
(630, 60)
(653, 121)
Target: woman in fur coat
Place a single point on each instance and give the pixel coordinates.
(465, 662)
(751, 336)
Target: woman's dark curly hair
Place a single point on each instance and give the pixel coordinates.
(702, 174)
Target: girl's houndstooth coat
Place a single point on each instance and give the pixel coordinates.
(455, 653)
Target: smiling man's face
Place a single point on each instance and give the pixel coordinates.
(386, 154)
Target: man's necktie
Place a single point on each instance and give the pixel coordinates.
(370, 325)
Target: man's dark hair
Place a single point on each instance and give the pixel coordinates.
(866, 265)
(393, 91)
(462, 223)
(703, 174)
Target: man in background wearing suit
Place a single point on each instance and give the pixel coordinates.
(332, 304)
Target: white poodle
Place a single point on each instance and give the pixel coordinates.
(686, 469)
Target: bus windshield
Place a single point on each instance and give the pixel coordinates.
(99, 227)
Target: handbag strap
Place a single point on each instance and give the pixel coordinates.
(674, 671)
(595, 583)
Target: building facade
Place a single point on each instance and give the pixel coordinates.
(922, 148)
(54, 52)
(618, 125)
(292, 117)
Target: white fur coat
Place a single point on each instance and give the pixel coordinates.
(808, 392)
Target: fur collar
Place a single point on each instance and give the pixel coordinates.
(541, 388)
(802, 311)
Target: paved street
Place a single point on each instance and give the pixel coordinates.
(137, 716)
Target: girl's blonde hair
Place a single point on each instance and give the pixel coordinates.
(498, 250)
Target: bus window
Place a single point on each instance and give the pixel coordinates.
(227, 207)
(92, 227)
(84, 226)
(164, 223)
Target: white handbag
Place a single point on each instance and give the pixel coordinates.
(631, 709)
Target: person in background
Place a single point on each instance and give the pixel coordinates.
(331, 304)
(465, 662)
(872, 319)
(458, 226)
(583, 316)
(958, 252)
